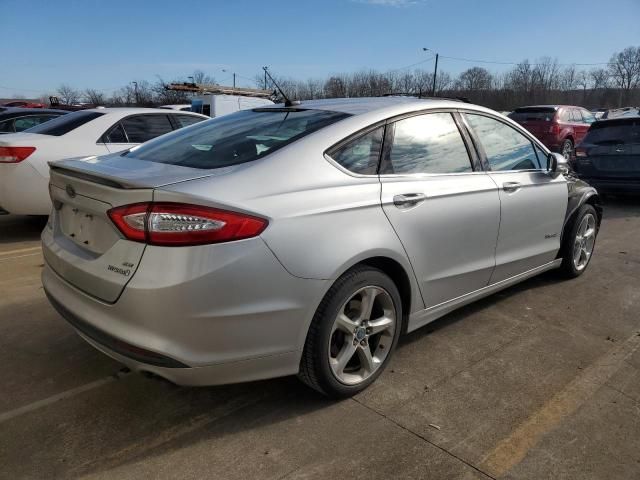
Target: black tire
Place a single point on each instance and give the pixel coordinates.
(568, 268)
(567, 146)
(315, 369)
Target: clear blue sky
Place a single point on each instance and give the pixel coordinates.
(105, 44)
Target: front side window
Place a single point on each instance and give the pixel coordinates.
(505, 147)
(236, 138)
(587, 116)
(362, 154)
(429, 143)
(141, 128)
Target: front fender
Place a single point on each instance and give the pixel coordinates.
(580, 192)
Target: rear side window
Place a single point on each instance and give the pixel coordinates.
(7, 126)
(505, 147)
(186, 120)
(614, 132)
(428, 143)
(141, 128)
(235, 138)
(65, 123)
(362, 154)
(115, 135)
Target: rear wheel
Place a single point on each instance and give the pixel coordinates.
(567, 149)
(353, 333)
(579, 243)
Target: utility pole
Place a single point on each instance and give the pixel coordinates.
(435, 76)
(435, 71)
(234, 81)
(135, 86)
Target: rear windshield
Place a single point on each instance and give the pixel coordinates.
(544, 114)
(236, 138)
(64, 124)
(614, 132)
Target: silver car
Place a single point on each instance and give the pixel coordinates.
(305, 239)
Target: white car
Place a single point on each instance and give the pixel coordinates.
(24, 157)
(185, 107)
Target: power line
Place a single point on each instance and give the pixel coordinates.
(472, 60)
(412, 65)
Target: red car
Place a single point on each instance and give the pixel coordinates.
(559, 127)
(24, 104)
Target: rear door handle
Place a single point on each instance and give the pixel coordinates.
(408, 199)
(511, 186)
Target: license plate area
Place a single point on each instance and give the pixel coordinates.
(84, 221)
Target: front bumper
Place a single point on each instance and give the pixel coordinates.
(245, 319)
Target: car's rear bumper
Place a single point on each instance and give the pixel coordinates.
(606, 185)
(249, 324)
(23, 191)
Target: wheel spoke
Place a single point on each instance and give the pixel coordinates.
(366, 359)
(577, 253)
(368, 297)
(589, 233)
(379, 325)
(343, 357)
(345, 324)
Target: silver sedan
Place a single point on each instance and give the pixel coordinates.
(305, 239)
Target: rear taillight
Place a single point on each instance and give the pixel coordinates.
(581, 152)
(15, 154)
(554, 128)
(177, 224)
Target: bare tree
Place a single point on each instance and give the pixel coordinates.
(624, 68)
(94, 97)
(475, 78)
(202, 78)
(67, 94)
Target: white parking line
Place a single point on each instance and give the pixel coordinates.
(60, 396)
(21, 250)
(19, 256)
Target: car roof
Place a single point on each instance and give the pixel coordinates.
(20, 111)
(134, 110)
(363, 105)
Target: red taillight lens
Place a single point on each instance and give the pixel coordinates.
(554, 128)
(177, 224)
(15, 154)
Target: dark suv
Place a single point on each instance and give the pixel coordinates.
(559, 127)
(609, 156)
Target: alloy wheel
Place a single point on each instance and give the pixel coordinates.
(584, 242)
(362, 335)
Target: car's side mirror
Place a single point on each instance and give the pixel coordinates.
(557, 164)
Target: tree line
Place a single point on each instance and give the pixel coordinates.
(544, 81)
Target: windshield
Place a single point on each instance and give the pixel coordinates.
(236, 138)
(533, 113)
(64, 123)
(615, 132)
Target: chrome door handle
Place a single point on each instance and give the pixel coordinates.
(408, 199)
(511, 186)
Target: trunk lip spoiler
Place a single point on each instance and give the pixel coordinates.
(114, 181)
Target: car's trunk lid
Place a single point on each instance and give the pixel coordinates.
(80, 242)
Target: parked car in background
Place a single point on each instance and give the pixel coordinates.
(599, 112)
(609, 156)
(621, 112)
(24, 157)
(23, 104)
(14, 120)
(559, 127)
(185, 107)
(279, 241)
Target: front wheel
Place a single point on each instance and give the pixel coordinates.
(353, 333)
(579, 243)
